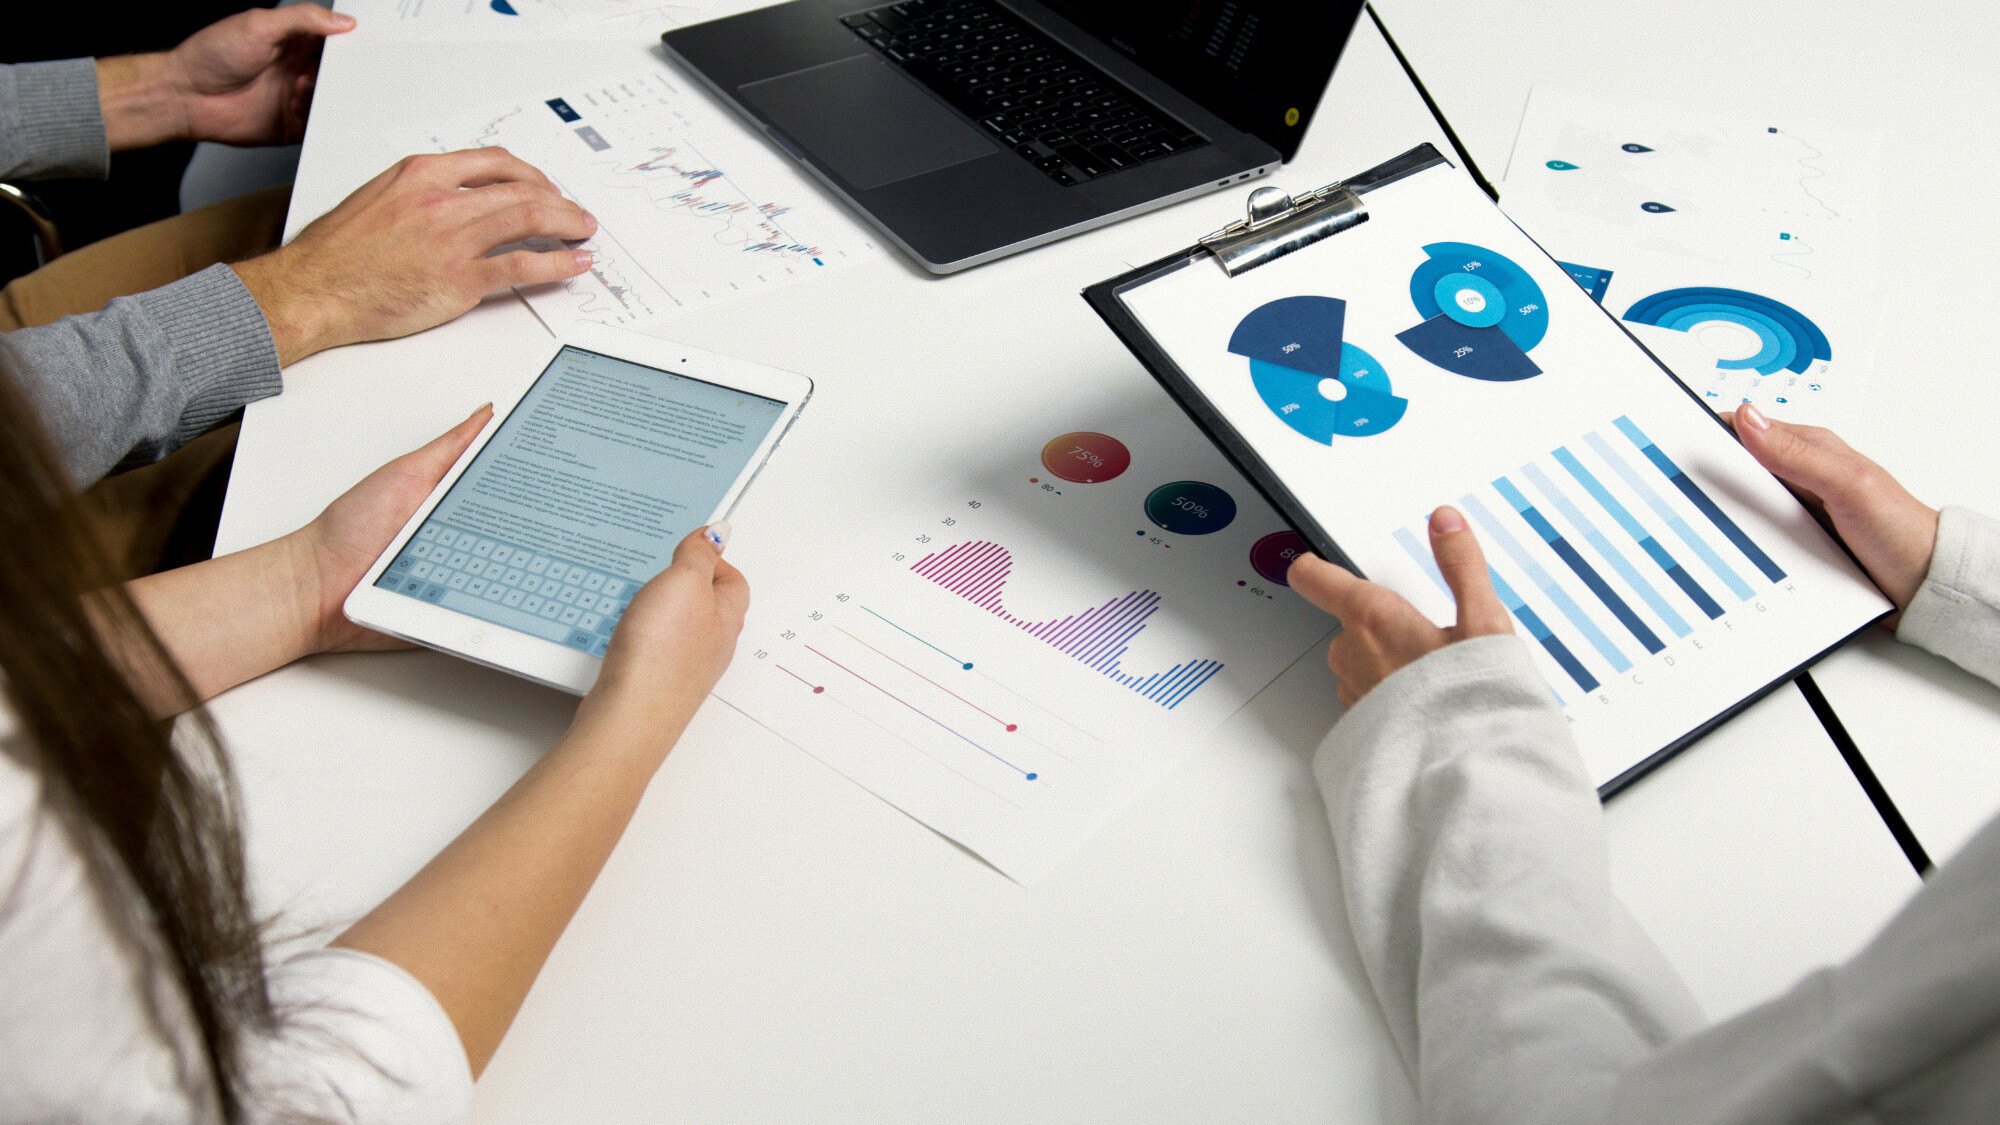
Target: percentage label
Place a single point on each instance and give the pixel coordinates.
(1086, 457)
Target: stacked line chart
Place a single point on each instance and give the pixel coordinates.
(1031, 644)
(1608, 553)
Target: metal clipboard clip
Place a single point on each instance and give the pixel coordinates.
(1278, 224)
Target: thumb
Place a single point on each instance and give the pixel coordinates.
(1463, 565)
(1805, 457)
(701, 550)
(441, 452)
(309, 19)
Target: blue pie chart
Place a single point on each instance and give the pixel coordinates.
(1315, 382)
(1482, 313)
(1787, 339)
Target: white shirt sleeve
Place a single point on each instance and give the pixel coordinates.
(1472, 852)
(359, 1040)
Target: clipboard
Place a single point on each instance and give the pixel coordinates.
(1605, 634)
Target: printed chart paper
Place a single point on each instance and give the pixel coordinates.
(1740, 248)
(1036, 642)
(517, 20)
(692, 208)
(1433, 355)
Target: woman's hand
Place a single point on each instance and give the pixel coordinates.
(673, 643)
(413, 248)
(334, 551)
(1380, 632)
(1890, 531)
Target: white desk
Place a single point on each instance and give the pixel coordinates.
(1924, 76)
(771, 943)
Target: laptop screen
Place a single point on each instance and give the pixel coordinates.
(1260, 65)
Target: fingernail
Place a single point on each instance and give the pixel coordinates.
(591, 219)
(342, 20)
(1749, 415)
(718, 534)
(1446, 521)
(583, 258)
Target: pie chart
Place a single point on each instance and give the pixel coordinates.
(1315, 382)
(1785, 338)
(1482, 313)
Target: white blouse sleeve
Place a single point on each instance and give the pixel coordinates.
(358, 1040)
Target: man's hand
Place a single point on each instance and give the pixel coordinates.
(1890, 531)
(246, 80)
(1380, 632)
(409, 250)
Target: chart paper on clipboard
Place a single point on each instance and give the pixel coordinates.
(1432, 354)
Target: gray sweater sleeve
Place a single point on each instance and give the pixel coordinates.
(147, 373)
(1472, 852)
(1956, 612)
(50, 121)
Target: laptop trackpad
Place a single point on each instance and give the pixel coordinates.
(869, 124)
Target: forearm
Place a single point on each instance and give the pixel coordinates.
(476, 924)
(1956, 612)
(1472, 853)
(229, 620)
(143, 99)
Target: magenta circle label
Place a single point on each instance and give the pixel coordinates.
(1085, 457)
(1272, 555)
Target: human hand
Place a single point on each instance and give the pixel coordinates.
(409, 250)
(1380, 631)
(1890, 531)
(333, 553)
(672, 645)
(245, 80)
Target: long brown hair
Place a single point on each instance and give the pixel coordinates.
(155, 813)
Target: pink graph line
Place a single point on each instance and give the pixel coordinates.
(940, 723)
(912, 671)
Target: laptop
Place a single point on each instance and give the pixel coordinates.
(967, 130)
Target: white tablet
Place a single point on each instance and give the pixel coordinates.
(527, 552)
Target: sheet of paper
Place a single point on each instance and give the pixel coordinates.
(692, 208)
(1741, 248)
(514, 20)
(1032, 644)
(1432, 355)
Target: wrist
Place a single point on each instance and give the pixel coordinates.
(143, 101)
(299, 324)
(295, 569)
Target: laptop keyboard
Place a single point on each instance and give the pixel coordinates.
(567, 602)
(1034, 95)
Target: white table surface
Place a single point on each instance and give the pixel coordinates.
(1922, 74)
(770, 942)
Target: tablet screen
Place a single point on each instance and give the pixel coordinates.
(582, 495)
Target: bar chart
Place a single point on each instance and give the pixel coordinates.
(1607, 551)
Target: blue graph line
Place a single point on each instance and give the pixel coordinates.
(1512, 546)
(1666, 562)
(1604, 547)
(1576, 562)
(1673, 520)
(1700, 500)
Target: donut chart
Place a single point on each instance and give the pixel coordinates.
(1787, 339)
(1482, 313)
(1314, 381)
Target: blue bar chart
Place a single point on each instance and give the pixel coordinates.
(1607, 551)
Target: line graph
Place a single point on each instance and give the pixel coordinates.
(691, 210)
